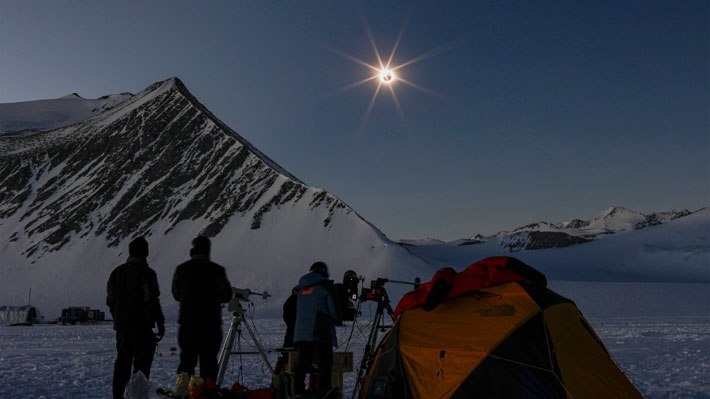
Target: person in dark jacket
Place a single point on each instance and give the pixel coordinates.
(289, 316)
(201, 287)
(132, 296)
(317, 315)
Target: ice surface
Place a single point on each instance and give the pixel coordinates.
(658, 333)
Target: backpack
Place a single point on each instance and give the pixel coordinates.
(284, 386)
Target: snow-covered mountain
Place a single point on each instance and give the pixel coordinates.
(51, 114)
(80, 178)
(543, 235)
(675, 251)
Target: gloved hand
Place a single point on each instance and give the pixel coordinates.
(161, 332)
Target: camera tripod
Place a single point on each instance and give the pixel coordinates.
(383, 303)
(235, 331)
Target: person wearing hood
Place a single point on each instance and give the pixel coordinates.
(132, 296)
(317, 315)
(201, 286)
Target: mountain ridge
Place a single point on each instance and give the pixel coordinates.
(544, 235)
(93, 148)
(159, 164)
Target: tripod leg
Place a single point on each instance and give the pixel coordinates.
(367, 354)
(226, 350)
(260, 348)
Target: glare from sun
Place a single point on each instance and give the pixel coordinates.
(387, 76)
(385, 73)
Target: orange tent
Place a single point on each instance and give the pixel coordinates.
(492, 331)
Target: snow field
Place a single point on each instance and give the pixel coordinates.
(665, 352)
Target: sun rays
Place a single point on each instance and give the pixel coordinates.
(385, 76)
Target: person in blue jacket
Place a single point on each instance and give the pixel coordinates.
(317, 315)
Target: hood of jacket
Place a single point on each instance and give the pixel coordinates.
(311, 279)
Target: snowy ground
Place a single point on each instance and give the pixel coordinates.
(658, 333)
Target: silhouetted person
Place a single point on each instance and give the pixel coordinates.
(132, 296)
(201, 287)
(289, 316)
(314, 334)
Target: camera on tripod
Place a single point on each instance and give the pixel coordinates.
(239, 295)
(376, 292)
(242, 295)
(347, 292)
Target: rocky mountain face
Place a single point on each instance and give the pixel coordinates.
(80, 178)
(544, 235)
(159, 155)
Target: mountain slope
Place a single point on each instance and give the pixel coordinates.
(159, 164)
(157, 156)
(51, 114)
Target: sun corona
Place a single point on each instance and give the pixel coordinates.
(387, 76)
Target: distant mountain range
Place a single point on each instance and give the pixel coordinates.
(80, 178)
(542, 235)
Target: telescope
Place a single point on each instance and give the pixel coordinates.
(242, 295)
(239, 295)
(377, 291)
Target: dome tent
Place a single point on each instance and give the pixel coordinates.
(492, 330)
